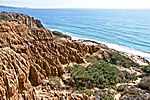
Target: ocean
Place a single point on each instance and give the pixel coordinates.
(123, 30)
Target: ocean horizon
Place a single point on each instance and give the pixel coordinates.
(120, 29)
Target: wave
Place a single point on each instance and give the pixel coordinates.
(124, 37)
(114, 33)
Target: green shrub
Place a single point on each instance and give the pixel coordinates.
(3, 17)
(147, 69)
(99, 73)
(88, 92)
(90, 58)
(121, 88)
(109, 96)
(124, 76)
(118, 59)
(55, 81)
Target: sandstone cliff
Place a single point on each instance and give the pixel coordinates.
(29, 21)
(29, 55)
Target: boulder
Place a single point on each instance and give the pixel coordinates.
(60, 34)
(145, 83)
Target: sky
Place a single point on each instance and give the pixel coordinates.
(115, 4)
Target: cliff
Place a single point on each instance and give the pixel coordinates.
(29, 55)
(34, 62)
(25, 19)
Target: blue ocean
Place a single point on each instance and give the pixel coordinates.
(123, 30)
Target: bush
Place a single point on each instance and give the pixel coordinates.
(99, 74)
(109, 96)
(121, 88)
(54, 81)
(3, 17)
(147, 69)
(87, 92)
(124, 76)
(90, 58)
(118, 59)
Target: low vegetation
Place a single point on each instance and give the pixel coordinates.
(146, 69)
(3, 17)
(109, 96)
(120, 88)
(118, 59)
(54, 81)
(87, 92)
(99, 74)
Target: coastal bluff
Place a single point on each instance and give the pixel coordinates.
(30, 54)
(36, 63)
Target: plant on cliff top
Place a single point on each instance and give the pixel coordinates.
(109, 96)
(147, 69)
(87, 92)
(118, 59)
(121, 88)
(99, 73)
(3, 17)
(54, 81)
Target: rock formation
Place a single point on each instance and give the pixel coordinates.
(29, 21)
(29, 55)
(61, 35)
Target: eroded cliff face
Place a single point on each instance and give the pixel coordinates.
(30, 55)
(29, 21)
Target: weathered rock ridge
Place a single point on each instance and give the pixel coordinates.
(29, 21)
(29, 55)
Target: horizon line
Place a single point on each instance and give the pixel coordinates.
(72, 8)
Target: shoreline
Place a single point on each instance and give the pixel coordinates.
(110, 45)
